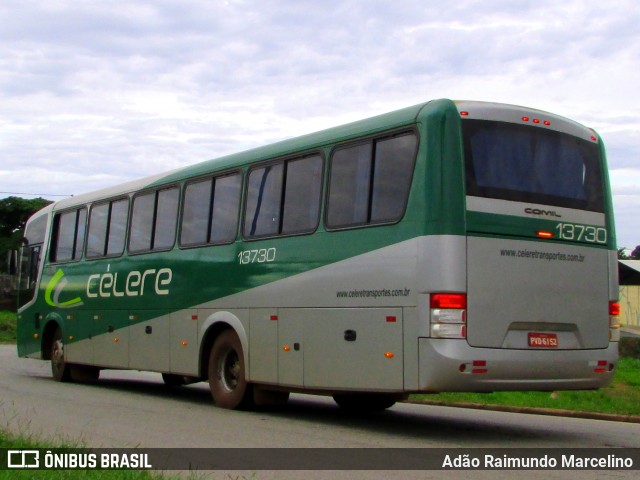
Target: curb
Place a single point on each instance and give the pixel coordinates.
(610, 417)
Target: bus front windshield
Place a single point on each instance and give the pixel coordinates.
(531, 164)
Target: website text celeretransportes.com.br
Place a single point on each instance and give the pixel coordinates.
(536, 255)
(400, 292)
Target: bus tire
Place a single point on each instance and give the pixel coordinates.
(365, 402)
(227, 373)
(60, 370)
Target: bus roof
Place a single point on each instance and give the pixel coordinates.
(299, 144)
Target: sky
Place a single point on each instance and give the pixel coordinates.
(96, 93)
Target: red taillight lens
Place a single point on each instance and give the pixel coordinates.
(614, 308)
(448, 315)
(448, 300)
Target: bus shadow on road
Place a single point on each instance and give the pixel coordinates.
(410, 422)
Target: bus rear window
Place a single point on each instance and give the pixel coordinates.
(530, 164)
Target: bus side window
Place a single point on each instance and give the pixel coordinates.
(153, 220)
(210, 212)
(29, 268)
(262, 216)
(369, 183)
(394, 162)
(269, 212)
(30, 259)
(107, 228)
(302, 195)
(68, 235)
(225, 209)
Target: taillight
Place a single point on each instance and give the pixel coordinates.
(614, 324)
(448, 312)
(448, 300)
(614, 308)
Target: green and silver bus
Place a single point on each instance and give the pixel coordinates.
(448, 246)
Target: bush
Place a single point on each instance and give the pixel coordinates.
(629, 347)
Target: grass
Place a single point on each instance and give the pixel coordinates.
(7, 327)
(622, 397)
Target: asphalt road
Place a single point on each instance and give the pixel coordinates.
(135, 409)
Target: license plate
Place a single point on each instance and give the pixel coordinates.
(543, 340)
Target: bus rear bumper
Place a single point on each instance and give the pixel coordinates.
(454, 365)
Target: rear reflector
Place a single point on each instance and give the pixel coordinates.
(473, 367)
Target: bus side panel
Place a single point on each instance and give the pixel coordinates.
(184, 345)
(110, 344)
(352, 348)
(263, 345)
(291, 346)
(78, 328)
(150, 342)
(411, 326)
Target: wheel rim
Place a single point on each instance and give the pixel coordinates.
(57, 355)
(229, 370)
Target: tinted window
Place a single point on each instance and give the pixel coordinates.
(226, 205)
(531, 164)
(80, 233)
(392, 177)
(349, 185)
(195, 217)
(284, 198)
(68, 235)
(117, 227)
(370, 182)
(302, 195)
(107, 228)
(210, 213)
(142, 222)
(97, 237)
(66, 226)
(166, 219)
(153, 220)
(263, 201)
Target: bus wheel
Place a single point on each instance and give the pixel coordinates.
(227, 380)
(60, 371)
(365, 402)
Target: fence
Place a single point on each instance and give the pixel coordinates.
(630, 305)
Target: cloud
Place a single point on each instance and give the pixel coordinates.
(119, 90)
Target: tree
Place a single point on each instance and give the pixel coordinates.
(636, 253)
(14, 213)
